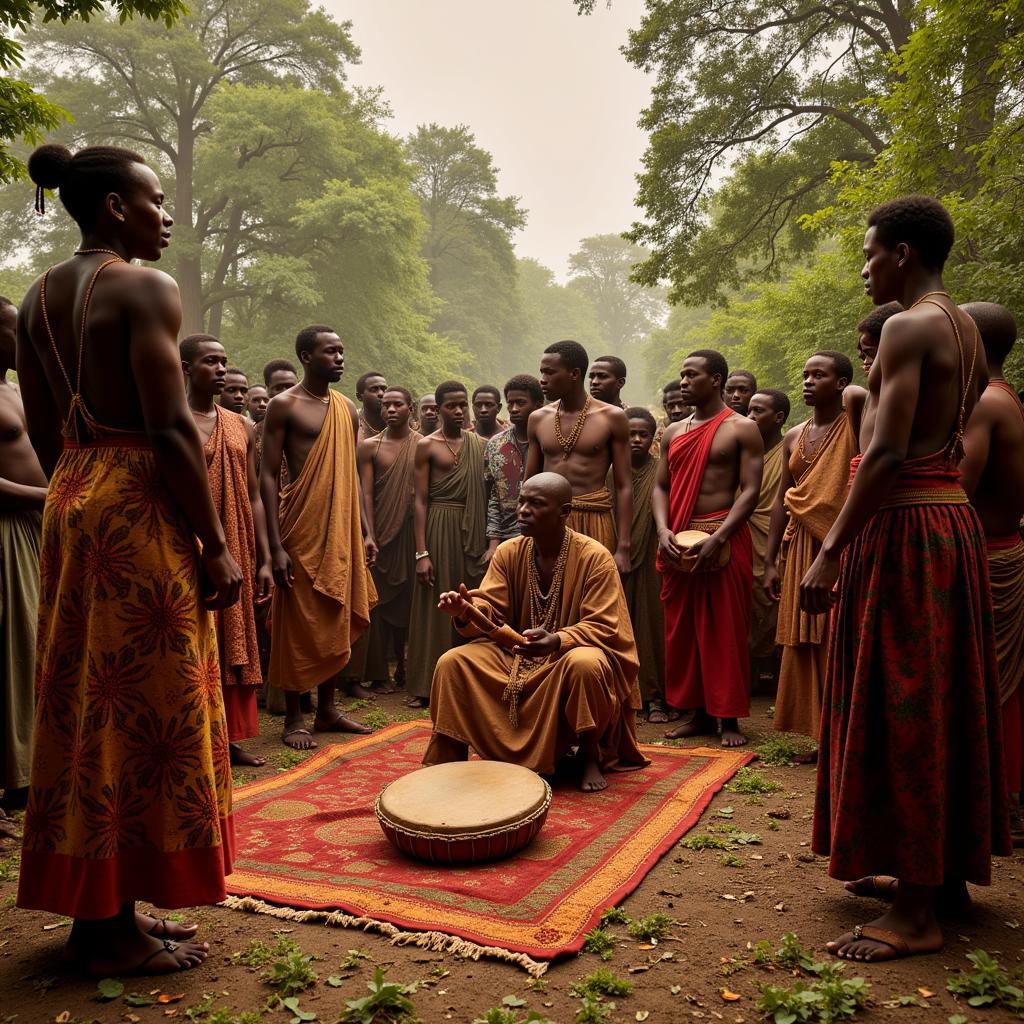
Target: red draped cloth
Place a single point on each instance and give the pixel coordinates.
(910, 769)
(707, 614)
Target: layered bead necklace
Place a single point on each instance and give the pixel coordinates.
(569, 443)
(543, 615)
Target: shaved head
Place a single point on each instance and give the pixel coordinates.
(553, 486)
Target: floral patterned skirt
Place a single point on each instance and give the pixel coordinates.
(130, 792)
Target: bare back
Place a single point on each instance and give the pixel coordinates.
(108, 382)
(995, 441)
(919, 371)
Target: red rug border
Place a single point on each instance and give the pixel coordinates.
(330, 753)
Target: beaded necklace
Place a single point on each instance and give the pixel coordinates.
(569, 443)
(313, 394)
(543, 615)
(456, 455)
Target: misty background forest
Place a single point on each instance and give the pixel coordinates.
(772, 130)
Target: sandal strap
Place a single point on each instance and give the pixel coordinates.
(884, 936)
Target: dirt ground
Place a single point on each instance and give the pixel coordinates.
(719, 909)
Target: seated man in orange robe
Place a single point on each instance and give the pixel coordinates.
(574, 681)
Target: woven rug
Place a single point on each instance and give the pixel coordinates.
(309, 847)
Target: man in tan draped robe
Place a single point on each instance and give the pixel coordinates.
(815, 475)
(769, 409)
(231, 470)
(642, 584)
(992, 474)
(574, 682)
(323, 593)
(450, 524)
(387, 473)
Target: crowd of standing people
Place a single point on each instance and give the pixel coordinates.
(868, 561)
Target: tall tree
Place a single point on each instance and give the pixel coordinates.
(601, 270)
(468, 245)
(148, 85)
(24, 113)
(753, 102)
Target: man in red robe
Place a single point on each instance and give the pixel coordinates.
(910, 770)
(706, 459)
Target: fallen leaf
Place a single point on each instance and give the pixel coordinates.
(165, 997)
(1012, 924)
(925, 994)
(639, 969)
(109, 988)
(728, 896)
(647, 945)
(334, 981)
(730, 997)
(63, 1017)
(642, 1015)
(676, 989)
(130, 1018)
(780, 907)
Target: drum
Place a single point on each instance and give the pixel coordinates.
(688, 538)
(464, 811)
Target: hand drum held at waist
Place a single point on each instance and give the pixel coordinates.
(687, 539)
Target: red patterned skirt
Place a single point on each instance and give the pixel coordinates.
(910, 770)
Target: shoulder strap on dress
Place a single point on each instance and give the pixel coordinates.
(955, 446)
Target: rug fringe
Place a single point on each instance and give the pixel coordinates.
(437, 942)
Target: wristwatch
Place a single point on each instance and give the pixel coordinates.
(422, 554)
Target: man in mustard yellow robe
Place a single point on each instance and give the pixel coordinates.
(573, 682)
(769, 409)
(323, 592)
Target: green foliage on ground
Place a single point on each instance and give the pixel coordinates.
(748, 781)
(387, 1003)
(291, 973)
(601, 982)
(593, 1011)
(831, 998)
(781, 751)
(599, 940)
(651, 929)
(615, 915)
(989, 984)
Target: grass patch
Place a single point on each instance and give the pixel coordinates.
(505, 1015)
(378, 718)
(706, 841)
(651, 928)
(780, 751)
(352, 958)
(10, 866)
(599, 941)
(748, 781)
(291, 973)
(593, 1011)
(828, 999)
(730, 860)
(615, 915)
(989, 984)
(601, 982)
(387, 1003)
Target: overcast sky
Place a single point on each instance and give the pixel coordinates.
(544, 90)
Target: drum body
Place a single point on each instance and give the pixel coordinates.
(465, 812)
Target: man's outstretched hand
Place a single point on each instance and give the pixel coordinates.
(455, 602)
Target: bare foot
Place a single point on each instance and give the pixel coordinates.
(952, 900)
(879, 887)
(298, 738)
(339, 723)
(592, 781)
(357, 690)
(657, 714)
(384, 686)
(417, 702)
(243, 758)
(146, 955)
(890, 937)
(148, 924)
(695, 724)
(732, 737)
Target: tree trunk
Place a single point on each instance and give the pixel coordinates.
(189, 267)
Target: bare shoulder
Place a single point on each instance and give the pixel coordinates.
(745, 429)
(672, 431)
(366, 446)
(854, 397)
(350, 406)
(543, 413)
(141, 287)
(790, 437)
(613, 412)
(912, 329)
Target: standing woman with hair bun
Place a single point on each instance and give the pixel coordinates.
(130, 791)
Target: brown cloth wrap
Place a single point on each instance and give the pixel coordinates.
(315, 623)
(456, 540)
(393, 500)
(1006, 577)
(591, 684)
(765, 612)
(227, 461)
(592, 516)
(642, 587)
(813, 503)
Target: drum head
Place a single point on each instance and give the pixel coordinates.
(463, 797)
